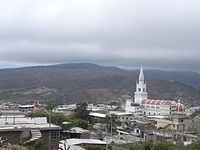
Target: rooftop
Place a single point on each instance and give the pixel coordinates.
(77, 130)
(18, 124)
(100, 115)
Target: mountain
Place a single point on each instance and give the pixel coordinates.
(191, 78)
(67, 83)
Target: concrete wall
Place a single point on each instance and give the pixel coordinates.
(13, 137)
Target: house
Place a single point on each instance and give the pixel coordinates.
(173, 122)
(26, 108)
(29, 130)
(138, 130)
(65, 109)
(167, 108)
(123, 116)
(11, 113)
(75, 132)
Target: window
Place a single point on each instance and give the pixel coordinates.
(55, 134)
(143, 89)
(137, 131)
(139, 89)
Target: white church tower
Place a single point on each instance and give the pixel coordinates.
(141, 92)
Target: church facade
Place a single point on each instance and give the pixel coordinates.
(145, 106)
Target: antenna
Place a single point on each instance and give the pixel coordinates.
(14, 118)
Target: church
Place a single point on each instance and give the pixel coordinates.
(141, 104)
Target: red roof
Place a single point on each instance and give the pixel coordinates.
(157, 102)
(179, 106)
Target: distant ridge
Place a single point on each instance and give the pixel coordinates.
(191, 78)
(67, 83)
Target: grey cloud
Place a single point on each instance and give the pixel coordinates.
(157, 34)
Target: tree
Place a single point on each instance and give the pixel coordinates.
(111, 122)
(194, 146)
(37, 145)
(59, 118)
(81, 111)
(50, 106)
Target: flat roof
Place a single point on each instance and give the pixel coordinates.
(77, 130)
(23, 120)
(120, 113)
(100, 115)
(22, 127)
(24, 106)
(19, 123)
(157, 117)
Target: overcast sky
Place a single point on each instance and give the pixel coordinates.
(163, 34)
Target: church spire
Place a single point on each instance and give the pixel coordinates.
(141, 76)
(141, 92)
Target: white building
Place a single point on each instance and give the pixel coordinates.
(142, 104)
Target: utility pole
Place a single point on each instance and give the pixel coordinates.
(111, 126)
(14, 118)
(6, 112)
(106, 138)
(49, 147)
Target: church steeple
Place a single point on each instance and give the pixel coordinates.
(140, 93)
(141, 76)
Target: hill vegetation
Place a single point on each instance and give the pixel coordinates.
(68, 83)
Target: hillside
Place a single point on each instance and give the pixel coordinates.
(82, 82)
(191, 78)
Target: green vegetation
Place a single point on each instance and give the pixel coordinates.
(96, 148)
(36, 146)
(81, 111)
(113, 103)
(111, 121)
(196, 113)
(14, 147)
(59, 118)
(155, 146)
(86, 82)
(50, 105)
(37, 113)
